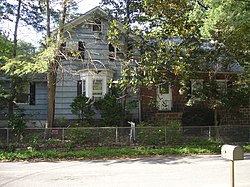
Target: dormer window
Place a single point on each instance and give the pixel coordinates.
(97, 26)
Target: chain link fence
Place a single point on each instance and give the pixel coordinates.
(122, 136)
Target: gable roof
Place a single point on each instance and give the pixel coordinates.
(94, 11)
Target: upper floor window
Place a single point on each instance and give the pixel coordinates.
(81, 49)
(97, 26)
(73, 49)
(114, 53)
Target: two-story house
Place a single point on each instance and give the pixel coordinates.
(88, 64)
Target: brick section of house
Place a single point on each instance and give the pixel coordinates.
(242, 118)
(149, 110)
(169, 116)
(178, 100)
(148, 103)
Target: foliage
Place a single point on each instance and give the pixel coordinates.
(169, 133)
(198, 116)
(82, 107)
(104, 153)
(90, 137)
(110, 109)
(17, 123)
(3, 98)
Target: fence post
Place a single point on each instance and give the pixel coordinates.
(165, 135)
(63, 135)
(116, 134)
(7, 141)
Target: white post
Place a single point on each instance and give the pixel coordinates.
(116, 134)
(232, 173)
(132, 132)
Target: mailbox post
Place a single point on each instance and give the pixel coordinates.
(232, 153)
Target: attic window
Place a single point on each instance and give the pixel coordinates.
(97, 26)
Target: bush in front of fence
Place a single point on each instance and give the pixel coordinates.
(169, 133)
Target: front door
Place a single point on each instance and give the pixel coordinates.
(164, 97)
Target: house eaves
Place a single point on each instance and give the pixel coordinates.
(90, 14)
(87, 15)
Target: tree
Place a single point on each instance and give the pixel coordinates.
(168, 37)
(82, 107)
(110, 109)
(53, 44)
(18, 63)
(226, 24)
(120, 36)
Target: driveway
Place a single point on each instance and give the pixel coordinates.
(189, 171)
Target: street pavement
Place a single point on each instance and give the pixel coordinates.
(187, 171)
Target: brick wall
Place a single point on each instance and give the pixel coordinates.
(148, 105)
(241, 117)
(149, 111)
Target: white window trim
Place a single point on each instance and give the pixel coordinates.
(163, 104)
(90, 76)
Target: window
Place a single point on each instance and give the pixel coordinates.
(164, 88)
(63, 50)
(164, 97)
(81, 50)
(97, 89)
(94, 83)
(73, 49)
(221, 85)
(115, 53)
(32, 93)
(81, 89)
(97, 26)
(26, 94)
(196, 85)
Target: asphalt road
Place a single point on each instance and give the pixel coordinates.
(190, 171)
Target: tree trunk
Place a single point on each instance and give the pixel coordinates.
(53, 65)
(12, 83)
(217, 133)
(126, 60)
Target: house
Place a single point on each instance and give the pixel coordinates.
(88, 64)
(166, 102)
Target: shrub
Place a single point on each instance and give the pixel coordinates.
(17, 123)
(82, 107)
(148, 135)
(173, 132)
(169, 133)
(110, 110)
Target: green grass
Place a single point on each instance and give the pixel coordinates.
(107, 153)
(195, 147)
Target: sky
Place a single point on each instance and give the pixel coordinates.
(29, 35)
